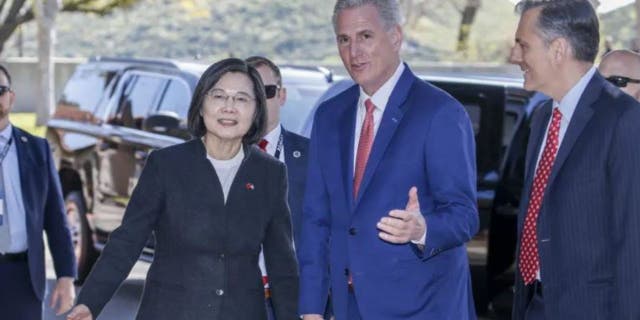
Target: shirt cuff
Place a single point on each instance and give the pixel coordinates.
(422, 240)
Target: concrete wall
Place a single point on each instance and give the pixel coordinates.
(25, 77)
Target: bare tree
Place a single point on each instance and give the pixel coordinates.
(46, 12)
(13, 13)
(468, 16)
(636, 40)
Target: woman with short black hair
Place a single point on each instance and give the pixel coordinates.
(211, 203)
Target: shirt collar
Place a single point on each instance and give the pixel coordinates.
(382, 95)
(570, 101)
(273, 136)
(6, 133)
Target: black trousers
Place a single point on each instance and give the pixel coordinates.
(17, 299)
(535, 308)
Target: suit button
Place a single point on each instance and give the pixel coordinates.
(353, 231)
(219, 292)
(221, 256)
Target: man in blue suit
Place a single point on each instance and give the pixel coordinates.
(579, 245)
(391, 185)
(284, 145)
(30, 203)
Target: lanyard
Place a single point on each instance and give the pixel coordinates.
(5, 150)
(279, 147)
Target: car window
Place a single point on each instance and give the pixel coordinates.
(300, 101)
(85, 89)
(176, 98)
(140, 96)
(475, 113)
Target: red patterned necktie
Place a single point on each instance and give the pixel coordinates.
(364, 146)
(529, 258)
(263, 145)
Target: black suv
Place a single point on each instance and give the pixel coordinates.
(112, 113)
(500, 112)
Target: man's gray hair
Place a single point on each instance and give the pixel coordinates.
(389, 10)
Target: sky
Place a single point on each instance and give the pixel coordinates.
(606, 5)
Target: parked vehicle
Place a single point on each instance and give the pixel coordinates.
(500, 112)
(112, 113)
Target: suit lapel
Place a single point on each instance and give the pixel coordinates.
(290, 148)
(392, 116)
(346, 135)
(28, 168)
(581, 116)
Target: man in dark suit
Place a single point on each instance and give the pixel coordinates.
(30, 203)
(579, 245)
(284, 145)
(622, 68)
(391, 185)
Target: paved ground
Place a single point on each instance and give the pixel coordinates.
(124, 304)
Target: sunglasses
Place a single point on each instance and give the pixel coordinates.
(620, 81)
(270, 90)
(4, 89)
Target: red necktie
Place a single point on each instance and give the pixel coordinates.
(529, 258)
(263, 145)
(364, 146)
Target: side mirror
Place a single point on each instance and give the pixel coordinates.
(167, 123)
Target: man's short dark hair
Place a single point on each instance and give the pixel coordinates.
(259, 61)
(209, 78)
(4, 70)
(574, 20)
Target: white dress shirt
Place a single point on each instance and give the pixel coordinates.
(272, 138)
(567, 106)
(379, 99)
(15, 214)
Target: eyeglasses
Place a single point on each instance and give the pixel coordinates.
(270, 90)
(620, 81)
(4, 89)
(220, 97)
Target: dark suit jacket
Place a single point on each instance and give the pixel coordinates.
(588, 225)
(206, 253)
(44, 209)
(424, 139)
(296, 148)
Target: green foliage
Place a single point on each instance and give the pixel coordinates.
(294, 31)
(27, 122)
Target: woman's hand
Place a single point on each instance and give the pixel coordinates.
(80, 312)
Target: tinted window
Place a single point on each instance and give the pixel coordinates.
(85, 89)
(176, 98)
(140, 96)
(475, 112)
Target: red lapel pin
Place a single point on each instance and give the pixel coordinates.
(249, 186)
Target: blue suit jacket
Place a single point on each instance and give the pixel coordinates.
(588, 225)
(424, 139)
(296, 148)
(44, 208)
